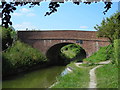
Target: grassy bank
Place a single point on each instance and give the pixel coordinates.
(79, 78)
(107, 76)
(103, 54)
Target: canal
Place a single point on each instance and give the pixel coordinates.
(42, 78)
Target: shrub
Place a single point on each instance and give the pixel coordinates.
(21, 56)
(116, 51)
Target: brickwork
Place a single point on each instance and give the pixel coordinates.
(43, 40)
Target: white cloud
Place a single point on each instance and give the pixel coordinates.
(31, 14)
(17, 14)
(83, 27)
(24, 12)
(24, 25)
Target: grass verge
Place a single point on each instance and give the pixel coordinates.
(107, 76)
(103, 54)
(79, 78)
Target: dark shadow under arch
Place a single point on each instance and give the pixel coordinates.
(53, 54)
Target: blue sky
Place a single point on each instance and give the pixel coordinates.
(68, 17)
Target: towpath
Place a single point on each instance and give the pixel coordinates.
(93, 82)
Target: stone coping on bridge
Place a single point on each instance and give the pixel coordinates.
(55, 31)
(99, 40)
(60, 35)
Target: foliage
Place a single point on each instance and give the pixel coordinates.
(9, 8)
(21, 56)
(116, 51)
(75, 49)
(104, 53)
(110, 27)
(107, 76)
(7, 37)
(79, 78)
(13, 33)
(72, 51)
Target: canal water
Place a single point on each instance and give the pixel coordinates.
(42, 78)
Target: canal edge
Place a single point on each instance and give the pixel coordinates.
(69, 70)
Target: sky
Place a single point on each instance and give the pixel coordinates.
(68, 17)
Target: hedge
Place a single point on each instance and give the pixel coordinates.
(20, 57)
(116, 51)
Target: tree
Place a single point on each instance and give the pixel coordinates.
(9, 8)
(110, 27)
(8, 36)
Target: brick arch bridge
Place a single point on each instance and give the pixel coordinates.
(43, 40)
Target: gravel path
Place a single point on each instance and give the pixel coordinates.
(93, 82)
(78, 63)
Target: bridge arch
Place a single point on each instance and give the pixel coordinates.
(53, 53)
(43, 40)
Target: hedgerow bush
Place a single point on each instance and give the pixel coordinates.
(103, 54)
(20, 57)
(116, 51)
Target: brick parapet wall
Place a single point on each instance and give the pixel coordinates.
(68, 34)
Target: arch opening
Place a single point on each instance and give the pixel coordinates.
(54, 55)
